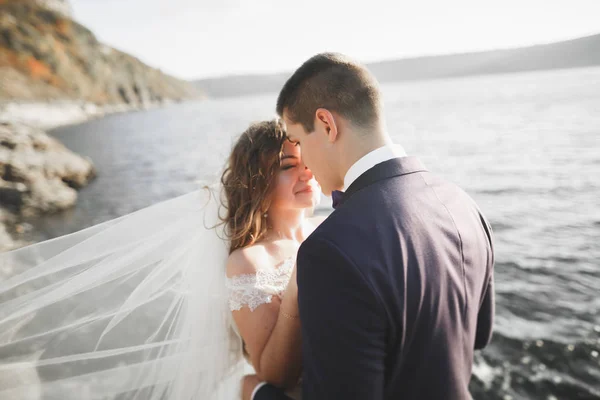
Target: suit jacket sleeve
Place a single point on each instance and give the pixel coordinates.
(485, 318)
(270, 392)
(343, 329)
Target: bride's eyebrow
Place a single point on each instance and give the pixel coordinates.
(288, 156)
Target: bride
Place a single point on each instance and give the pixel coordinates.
(175, 301)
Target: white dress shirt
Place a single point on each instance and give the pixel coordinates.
(371, 159)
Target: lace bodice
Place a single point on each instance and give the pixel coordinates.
(252, 290)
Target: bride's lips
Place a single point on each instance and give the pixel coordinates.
(307, 189)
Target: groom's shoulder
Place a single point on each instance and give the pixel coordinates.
(333, 229)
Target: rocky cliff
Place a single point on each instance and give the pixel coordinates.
(62, 7)
(45, 56)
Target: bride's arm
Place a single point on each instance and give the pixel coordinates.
(271, 331)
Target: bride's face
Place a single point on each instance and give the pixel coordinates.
(295, 186)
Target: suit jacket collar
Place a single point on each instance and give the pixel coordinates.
(385, 170)
(375, 157)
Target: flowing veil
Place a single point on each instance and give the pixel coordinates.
(133, 308)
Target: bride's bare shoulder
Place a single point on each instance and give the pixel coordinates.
(246, 260)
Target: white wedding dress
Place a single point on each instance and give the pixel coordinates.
(135, 308)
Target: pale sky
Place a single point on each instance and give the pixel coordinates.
(199, 38)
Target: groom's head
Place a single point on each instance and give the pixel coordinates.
(332, 107)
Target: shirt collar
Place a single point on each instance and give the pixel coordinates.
(368, 161)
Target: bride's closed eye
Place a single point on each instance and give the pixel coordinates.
(288, 161)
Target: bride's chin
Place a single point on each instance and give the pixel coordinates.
(308, 205)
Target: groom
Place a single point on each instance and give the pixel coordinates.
(395, 287)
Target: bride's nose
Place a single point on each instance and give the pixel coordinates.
(306, 174)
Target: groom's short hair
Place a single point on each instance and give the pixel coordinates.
(335, 82)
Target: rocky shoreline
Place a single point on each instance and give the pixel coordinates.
(37, 175)
(47, 115)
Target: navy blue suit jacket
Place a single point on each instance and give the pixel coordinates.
(395, 290)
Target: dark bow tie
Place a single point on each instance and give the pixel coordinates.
(336, 197)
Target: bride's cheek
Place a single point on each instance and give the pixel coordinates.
(284, 184)
(280, 179)
(287, 179)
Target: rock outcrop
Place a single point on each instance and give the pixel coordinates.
(37, 175)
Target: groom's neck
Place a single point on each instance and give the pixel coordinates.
(359, 144)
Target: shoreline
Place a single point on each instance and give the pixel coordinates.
(48, 175)
(51, 115)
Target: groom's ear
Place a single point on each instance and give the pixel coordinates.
(326, 119)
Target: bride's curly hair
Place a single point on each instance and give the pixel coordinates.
(248, 182)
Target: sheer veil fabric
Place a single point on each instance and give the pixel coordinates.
(133, 308)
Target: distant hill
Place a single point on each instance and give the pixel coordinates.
(581, 52)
